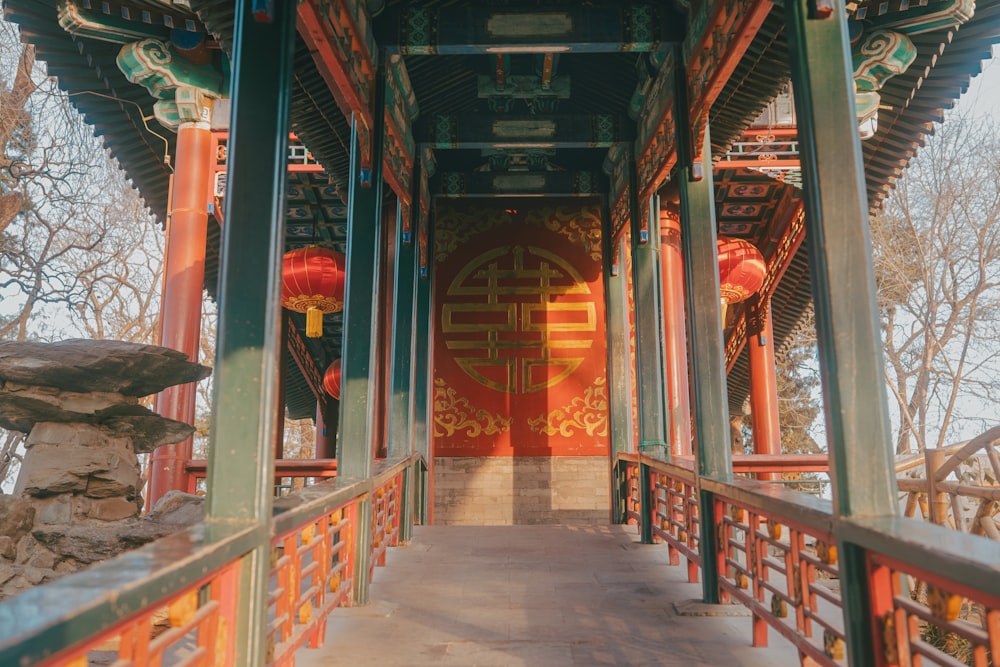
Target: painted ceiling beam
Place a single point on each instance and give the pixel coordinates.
(470, 29)
(512, 184)
(486, 131)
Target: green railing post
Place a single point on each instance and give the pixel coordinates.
(847, 324)
(708, 371)
(620, 403)
(357, 398)
(244, 422)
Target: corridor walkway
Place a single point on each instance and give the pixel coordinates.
(526, 596)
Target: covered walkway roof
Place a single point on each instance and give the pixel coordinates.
(593, 80)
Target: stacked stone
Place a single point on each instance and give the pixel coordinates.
(78, 494)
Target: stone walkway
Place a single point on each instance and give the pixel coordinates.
(526, 596)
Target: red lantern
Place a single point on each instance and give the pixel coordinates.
(312, 282)
(741, 269)
(331, 379)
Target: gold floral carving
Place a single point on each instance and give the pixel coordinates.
(588, 413)
(453, 228)
(582, 226)
(454, 414)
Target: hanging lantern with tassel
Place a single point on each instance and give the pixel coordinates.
(741, 271)
(331, 380)
(312, 282)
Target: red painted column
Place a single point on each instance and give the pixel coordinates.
(279, 402)
(674, 331)
(763, 383)
(180, 309)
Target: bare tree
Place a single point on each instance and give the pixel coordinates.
(121, 277)
(937, 265)
(797, 376)
(15, 121)
(79, 252)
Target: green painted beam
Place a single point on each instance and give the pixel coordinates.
(510, 131)
(519, 183)
(472, 28)
(847, 324)
(244, 422)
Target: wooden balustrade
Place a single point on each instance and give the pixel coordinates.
(292, 469)
(312, 566)
(933, 594)
(385, 519)
(785, 572)
(675, 517)
(924, 615)
(176, 599)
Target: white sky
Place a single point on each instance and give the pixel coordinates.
(983, 96)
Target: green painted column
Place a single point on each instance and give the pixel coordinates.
(847, 325)
(620, 403)
(422, 391)
(356, 451)
(701, 281)
(708, 370)
(405, 270)
(401, 379)
(648, 304)
(244, 422)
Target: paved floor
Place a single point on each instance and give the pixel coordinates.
(522, 596)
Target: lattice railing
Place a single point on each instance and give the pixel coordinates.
(175, 600)
(385, 519)
(198, 617)
(312, 568)
(786, 573)
(633, 510)
(675, 517)
(931, 596)
(928, 617)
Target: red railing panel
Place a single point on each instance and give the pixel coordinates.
(923, 616)
(311, 566)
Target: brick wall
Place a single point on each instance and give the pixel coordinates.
(503, 490)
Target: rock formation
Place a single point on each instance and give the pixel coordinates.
(78, 495)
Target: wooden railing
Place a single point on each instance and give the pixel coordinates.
(284, 469)
(943, 497)
(177, 598)
(931, 594)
